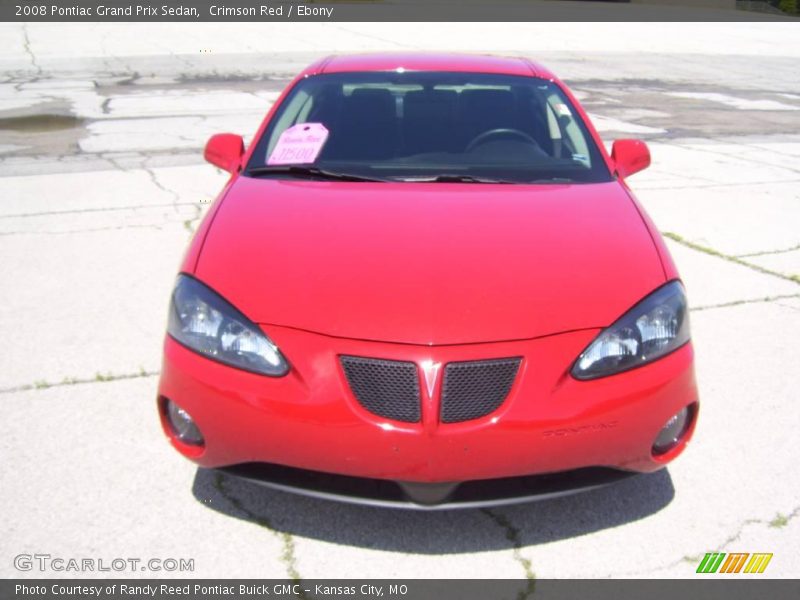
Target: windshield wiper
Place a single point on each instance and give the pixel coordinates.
(552, 180)
(452, 178)
(456, 178)
(309, 172)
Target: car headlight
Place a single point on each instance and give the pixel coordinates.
(653, 328)
(203, 321)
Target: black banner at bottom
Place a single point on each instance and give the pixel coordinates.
(703, 588)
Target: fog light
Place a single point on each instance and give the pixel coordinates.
(183, 426)
(673, 431)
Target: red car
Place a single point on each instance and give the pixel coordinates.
(427, 284)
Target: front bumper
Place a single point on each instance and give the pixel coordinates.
(426, 496)
(310, 420)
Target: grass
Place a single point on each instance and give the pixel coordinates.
(780, 520)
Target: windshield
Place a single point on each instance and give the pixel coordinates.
(428, 126)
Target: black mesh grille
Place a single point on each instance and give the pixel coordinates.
(474, 389)
(388, 388)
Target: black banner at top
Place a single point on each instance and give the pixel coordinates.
(387, 10)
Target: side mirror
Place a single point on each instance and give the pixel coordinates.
(630, 156)
(225, 151)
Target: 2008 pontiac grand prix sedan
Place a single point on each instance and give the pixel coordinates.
(427, 284)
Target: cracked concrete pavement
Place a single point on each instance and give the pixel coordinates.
(102, 184)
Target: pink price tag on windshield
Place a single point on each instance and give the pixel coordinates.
(300, 144)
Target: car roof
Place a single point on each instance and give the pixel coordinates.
(429, 61)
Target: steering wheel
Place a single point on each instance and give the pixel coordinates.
(481, 138)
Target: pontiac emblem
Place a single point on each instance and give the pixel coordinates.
(431, 371)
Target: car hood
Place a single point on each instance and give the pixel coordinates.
(429, 263)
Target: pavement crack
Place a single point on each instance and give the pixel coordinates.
(156, 182)
(718, 152)
(115, 163)
(43, 384)
(288, 552)
(769, 252)
(640, 572)
(694, 186)
(729, 257)
(377, 38)
(26, 44)
(513, 536)
(778, 521)
(789, 306)
(74, 231)
(190, 223)
(748, 301)
(49, 213)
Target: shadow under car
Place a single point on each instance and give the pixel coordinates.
(433, 532)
